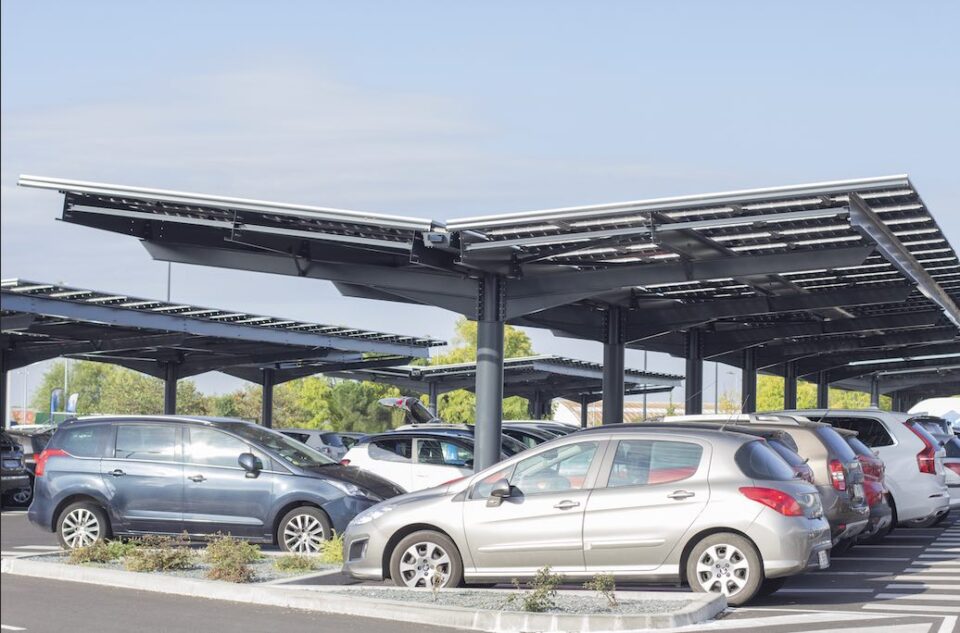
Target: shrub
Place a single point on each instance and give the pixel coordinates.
(229, 558)
(331, 551)
(231, 571)
(101, 552)
(295, 563)
(606, 586)
(160, 553)
(543, 592)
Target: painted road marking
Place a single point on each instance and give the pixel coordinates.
(903, 577)
(948, 624)
(859, 547)
(831, 590)
(871, 558)
(915, 608)
(39, 547)
(10, 627)
(948, 597)
(921, 585)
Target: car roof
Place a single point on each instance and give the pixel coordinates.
(415, 433)
(174, 419)
(705, 431)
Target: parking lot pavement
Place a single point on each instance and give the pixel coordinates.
(910, 584)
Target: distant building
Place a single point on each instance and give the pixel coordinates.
(568, 411)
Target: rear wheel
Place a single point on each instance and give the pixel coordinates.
(82, 524)
(426, 559)
(920, 523)
(728, 564)
(303, 530)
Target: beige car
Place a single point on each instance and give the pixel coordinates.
(719, 510)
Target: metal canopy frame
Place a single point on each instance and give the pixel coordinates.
(820, 258)
(170, 341)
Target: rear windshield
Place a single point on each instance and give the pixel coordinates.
(300, 437)
(859, 447)
(758, 461)
(332, 439)
(836, 445)
(922, 432)
(952, 447)
(789, 455)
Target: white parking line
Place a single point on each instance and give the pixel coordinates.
(923, 577)
(10, 627)
(932, 609)
(950, 556)
(38, 547)
(937, 563)
(921, 586)
(948, 624)
(871, 558)
(800, 617)
(936, 597)
(859, 547)
(822, 590)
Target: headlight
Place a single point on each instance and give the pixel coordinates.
(371, 514)
(352, 490)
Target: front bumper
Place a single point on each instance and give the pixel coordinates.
(363, 549)
(14, 482)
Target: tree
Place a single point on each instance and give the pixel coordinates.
(770, 396)
(85, 378)
(461, 405)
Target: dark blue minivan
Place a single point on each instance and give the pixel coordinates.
(105, 476)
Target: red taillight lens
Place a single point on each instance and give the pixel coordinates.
(837, 475)
(775, 499)
(344, 462)
(41, 463)
(926, 458)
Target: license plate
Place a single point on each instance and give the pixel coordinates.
(823, 557)
(12, 464)
(858, 491)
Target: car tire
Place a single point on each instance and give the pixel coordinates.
(303, 530)
(920, 523)
(422, 556)
(725, 563)
(82, 524)
(842, 547)
(771, 586)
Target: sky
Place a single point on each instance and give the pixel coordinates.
(442, 110)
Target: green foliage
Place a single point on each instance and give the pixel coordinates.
(101, 552)
(229, 558)
(331, 550)
(160, 553)
(295, 563)
(770, 396)
(542, 592)
(606, 586)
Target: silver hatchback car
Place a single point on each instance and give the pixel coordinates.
(717, 509)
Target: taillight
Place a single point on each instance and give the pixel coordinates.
(927, 457)
(47, 453)
(344, 462)
(775, 499)
(837, 475)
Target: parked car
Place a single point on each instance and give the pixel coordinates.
(717, 509)
(526, 434)
(942, 431)
(349, 438)
(881, 517)
(916, 484)
(414, 459)
(837, 473)
(327, 442)
(557, 429)
(105, 476)
(508, 445)
(14, 476)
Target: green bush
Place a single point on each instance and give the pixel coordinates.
(231, 571)
(331, 551)
(230, 558)
(160, 553)
(292, 563)
(101, 552)
(543, 592)
(606, 586)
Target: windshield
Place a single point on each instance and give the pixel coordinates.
(289, 449)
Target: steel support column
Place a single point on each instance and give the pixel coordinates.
(170, 370)
(693, 384)
(433, 392)
(748, 389)
(266, 398)
(535, 406)
(823, 390)
(790, 385)
(613, 367)
(897, 401)
(489, 390)
(584, 411)
(875, 391)
(4, 384)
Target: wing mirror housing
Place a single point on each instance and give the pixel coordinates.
(501, 490)
(250, 463)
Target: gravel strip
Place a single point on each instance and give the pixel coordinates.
(500, 601)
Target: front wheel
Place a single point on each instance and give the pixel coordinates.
(81, 525)
(728, 564)
(303, 530)
(426, 559)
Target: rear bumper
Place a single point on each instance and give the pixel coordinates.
(789, 545)
(14, 482)
(880, 518)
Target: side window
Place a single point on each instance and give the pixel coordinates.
(555, 470)
(156, 442)
(649, 462)
(213, 448)
(85, 441)
(391, 450)
(439, 452)
(870, 431)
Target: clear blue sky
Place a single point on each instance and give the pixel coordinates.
(445, 109)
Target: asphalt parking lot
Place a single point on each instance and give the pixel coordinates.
(911, 584)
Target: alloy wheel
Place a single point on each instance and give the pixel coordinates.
(303, 534)
(425, 564)
(80, 528)
(723, 569)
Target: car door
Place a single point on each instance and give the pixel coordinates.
(143, 475)
(439, 461)
(219, 495)
(649, 493)
(541, 523)
(392, 459)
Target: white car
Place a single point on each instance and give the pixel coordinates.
(913, 459)
(942, 430)
(414, 460)
(327, 442)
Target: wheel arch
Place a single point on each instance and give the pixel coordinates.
(78, 498)
(404, 532)
(699, 536)
(291, 505)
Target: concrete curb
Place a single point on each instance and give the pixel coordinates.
(702, 607)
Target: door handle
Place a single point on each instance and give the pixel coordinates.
(566, 505)
(197, 478)
(681, 494)
(116, 472)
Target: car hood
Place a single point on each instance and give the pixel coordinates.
(383, 488)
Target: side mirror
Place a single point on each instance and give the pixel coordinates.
(250, 463)
(500, 491)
